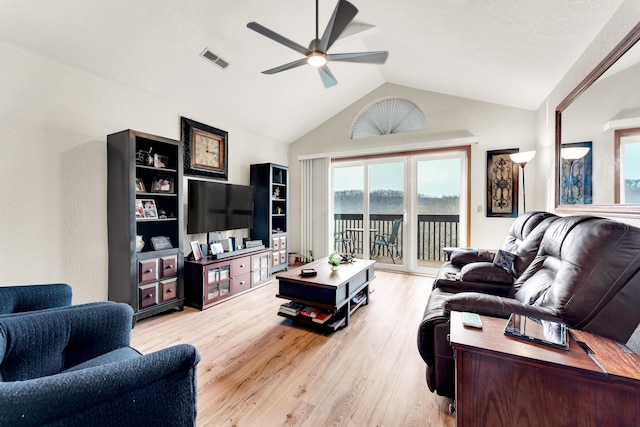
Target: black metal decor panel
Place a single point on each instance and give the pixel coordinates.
(502, 184)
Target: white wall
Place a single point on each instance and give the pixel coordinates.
(54, 120)
(622, 22)
(497, 126)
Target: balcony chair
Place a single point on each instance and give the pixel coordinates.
(388, 241)
(73, 366)
(18, 299)
(341, 239)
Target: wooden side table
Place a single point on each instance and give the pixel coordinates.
(504, 381)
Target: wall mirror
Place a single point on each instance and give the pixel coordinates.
(598, 137)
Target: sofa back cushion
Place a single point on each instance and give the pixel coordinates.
(521, 227)
(588, 271)
(528, 248)
(18, 299)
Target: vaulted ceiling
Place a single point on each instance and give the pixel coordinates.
(511, 52)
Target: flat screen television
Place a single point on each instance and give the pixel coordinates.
(216, 206)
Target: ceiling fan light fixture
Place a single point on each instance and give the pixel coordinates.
(317, 59)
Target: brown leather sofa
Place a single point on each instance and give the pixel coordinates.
(474, 270)
(586, 273)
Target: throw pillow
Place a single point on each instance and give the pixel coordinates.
(504, 259)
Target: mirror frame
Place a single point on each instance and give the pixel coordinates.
(623, 210)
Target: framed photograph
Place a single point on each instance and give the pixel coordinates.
(205, 150)
(161, 242)
(216, 248)
(148, 207)
(163, 184)
(197, 252)
(140, 188)
(502, 184)
(139, 209)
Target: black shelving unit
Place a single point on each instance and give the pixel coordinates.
(145, 171)
(271, 210)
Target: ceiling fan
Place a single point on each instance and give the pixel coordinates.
(316, 55)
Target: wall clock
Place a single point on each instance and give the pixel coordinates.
(205, 150)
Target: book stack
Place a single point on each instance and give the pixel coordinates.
(359, 298)
(291, 308)
(310, 312)
(322, 317)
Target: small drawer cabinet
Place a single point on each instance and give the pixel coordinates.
(210, 281)
(157, 281)
(279, 246)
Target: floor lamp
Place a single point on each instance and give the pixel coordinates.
(572, 154)
(522, 159)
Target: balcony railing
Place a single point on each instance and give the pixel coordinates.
(434, 233)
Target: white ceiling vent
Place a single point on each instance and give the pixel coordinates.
(207, 54)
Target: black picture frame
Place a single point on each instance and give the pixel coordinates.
(209, 162)
(502, 184)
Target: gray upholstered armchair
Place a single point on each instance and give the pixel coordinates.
(17, 299)
(73, 366)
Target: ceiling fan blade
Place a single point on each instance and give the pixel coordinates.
(285, 67)
(342, 16)
(379, 57)
(277, 37)
(327, 76)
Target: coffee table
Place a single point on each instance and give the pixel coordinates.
(339, 292)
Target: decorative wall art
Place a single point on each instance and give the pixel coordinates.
(502, 184)
(205, 150)
(576, 187)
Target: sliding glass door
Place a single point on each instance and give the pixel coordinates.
(348, 209)
(387, 207)
(438, 211)
(401, 211)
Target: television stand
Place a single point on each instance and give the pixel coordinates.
(236, 252)
(210, 281)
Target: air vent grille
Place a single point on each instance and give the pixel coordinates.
(212, 57)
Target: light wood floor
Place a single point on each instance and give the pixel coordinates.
(259, 370)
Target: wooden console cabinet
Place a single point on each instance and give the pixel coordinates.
(504, 381)
(210, 281)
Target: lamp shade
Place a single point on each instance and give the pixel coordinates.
(523, 157)
(574, 153)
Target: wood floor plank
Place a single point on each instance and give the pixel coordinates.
(260, 369)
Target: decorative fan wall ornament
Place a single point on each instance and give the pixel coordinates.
(389, 116)
(316, 54)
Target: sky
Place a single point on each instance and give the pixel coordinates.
(631, 161)
(436, 178)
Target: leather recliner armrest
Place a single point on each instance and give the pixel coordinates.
(462, 257)
(485, 272)
(496, 306)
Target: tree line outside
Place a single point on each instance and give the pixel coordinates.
(632, 191)
(387, 202)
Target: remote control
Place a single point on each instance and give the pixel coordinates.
(472, 320)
